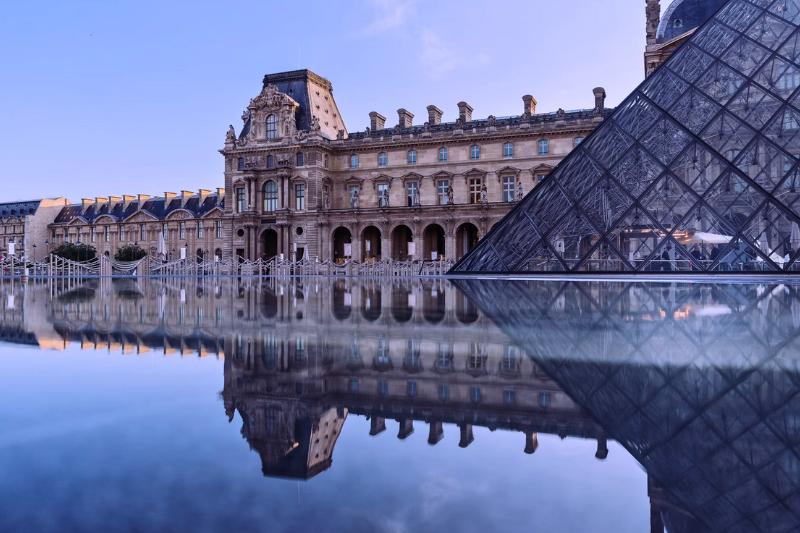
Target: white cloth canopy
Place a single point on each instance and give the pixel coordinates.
(710, 238)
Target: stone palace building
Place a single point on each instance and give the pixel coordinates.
(300, 184)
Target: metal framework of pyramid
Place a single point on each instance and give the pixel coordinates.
(696, 171)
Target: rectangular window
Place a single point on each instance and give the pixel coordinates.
(475, 185)
(200, 230)
(383, 195)
(182, 230)
(412, 193)
(106, 236)
(353, 192)
(443, 191)
(122, 234)
(218, 229)
(240, 199)
(509, 188)
(142, 235)
(544, 146)
(300, 196)
(94, 235)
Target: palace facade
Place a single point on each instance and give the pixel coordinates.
(301, 185)
(191, 224)
(23, 227)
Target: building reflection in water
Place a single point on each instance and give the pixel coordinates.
(698, 382)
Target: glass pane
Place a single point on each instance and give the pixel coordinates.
(694, 110)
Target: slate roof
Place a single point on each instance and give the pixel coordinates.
(14, 209)
(159, 207)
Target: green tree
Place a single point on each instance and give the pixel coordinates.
(76, 252)
(130, 252)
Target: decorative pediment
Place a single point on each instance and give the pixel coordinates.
(78, 221)
(473, 172)
(141, 216)
(214, 213)
(105, 219)
(505, 171)
(382, 179)
(353, 180)
(542, 169)
(443, 175)
(412, 176)
(180, 214)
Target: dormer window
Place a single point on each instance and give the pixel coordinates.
(272, 127)
(383, 159)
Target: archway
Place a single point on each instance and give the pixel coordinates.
(199, 255)
(402, 243)
(402, 304)
(342, 244)
(371, 243)
(433, 238)
(466, 239)
(269, 244)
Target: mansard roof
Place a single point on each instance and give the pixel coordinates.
(16, 209)
(684, 15)
(159, 208)
(483, 124)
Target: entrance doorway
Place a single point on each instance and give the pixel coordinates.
(434, 243)
(371, 244)
(342, 245)
(403, 247)
(269, 244)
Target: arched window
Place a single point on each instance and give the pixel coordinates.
(412, 157)
(354, 161)
(544, 146)
(272, 127)
(383, 159)
(300, 159)
(270, 161)
(508, 150)
(443, 154)
(474, 152)
(270, 196)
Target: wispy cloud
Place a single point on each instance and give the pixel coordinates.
(440, 59)
(389, 15)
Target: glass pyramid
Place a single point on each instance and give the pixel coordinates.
(696, 171)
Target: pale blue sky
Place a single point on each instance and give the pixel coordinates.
(106, 97)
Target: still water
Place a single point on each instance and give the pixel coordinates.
(399, 406)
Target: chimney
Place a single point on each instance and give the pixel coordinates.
(100, 200)
(128, 198)
(464, 112)
(405, 118)
(221, 192)
(653, 17)
(599, 99)
(86, 202)
(376, 121)
(434, 115)
(529, 105)
(185, 195)
(142, 198)
(169, 195)
(114, 199)
(203, 193)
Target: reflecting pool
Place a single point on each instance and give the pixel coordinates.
(399, 406)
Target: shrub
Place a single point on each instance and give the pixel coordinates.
(130, 252)
(76, 252)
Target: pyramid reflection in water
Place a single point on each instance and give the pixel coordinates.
(697, 170)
